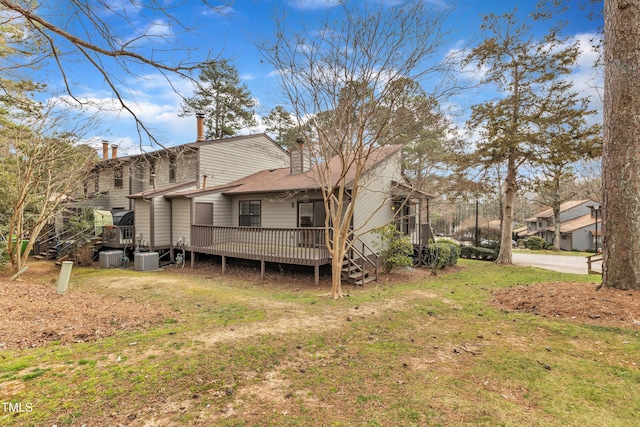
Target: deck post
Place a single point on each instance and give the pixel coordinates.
(193, 258)
(316, 271)
(224, 263)
(262, 264)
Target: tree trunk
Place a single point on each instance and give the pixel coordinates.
(504, 256)
(337, 252)
(556, 228)
(620, 160)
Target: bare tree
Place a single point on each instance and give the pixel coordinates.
(620, 160)
(40, 172)
(91, 32)
(338, 80)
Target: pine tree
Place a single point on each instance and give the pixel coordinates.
(225, 102)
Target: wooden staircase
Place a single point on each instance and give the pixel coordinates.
(353, 273)
(357, 267)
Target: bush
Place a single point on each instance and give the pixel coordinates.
(395, 249)
(535, 243)
(441, 254)
(455, 250)
(437, 255)
(473, 252)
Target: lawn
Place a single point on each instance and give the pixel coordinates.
(411, 350)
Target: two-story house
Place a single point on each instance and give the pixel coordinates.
(577, 225)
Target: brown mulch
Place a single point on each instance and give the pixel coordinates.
(32, 313)
(579, 302)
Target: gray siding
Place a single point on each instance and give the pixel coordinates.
(161, 222)
(142, 221)
(225, 161)
(373, 204)
(180, 219)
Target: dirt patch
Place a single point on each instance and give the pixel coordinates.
(573, 301)
(33, 313)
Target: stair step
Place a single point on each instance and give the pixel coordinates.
(358, 275)
(366, 280)
(39, 257)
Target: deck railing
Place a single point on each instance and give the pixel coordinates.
(304, 246)
(118, 236)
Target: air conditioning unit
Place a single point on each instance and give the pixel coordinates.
(110, 259)
(146, 261)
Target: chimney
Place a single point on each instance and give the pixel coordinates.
(114, 151)
(200, 126)
(300, 161)
(105, 150)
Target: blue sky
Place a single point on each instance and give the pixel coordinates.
(232, 32)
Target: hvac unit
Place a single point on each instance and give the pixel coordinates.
(111, 259)
(146, 261)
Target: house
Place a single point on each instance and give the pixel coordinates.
(246, 197)
(278, 214)
(582, 233)
(140, 182)
(575, 215)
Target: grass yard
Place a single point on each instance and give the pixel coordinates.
(201, 349)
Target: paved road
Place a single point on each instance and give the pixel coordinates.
(561, 263)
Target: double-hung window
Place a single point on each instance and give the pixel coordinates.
(250, 213)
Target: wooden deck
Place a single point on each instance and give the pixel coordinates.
(118, 237)
(299, 246)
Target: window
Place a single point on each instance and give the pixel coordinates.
(172, 167)
(117, 177)
(250, 213)
(204, 214)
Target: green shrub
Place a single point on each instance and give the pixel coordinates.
(455, 250)
(535, 243)
(473, 252)
(394, 248)
(437, 255)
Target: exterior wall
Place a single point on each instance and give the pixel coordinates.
(228, 160)
(180, 219)
(373, 204)
(186, 170)
(575, 212)
(161, 222)
(276, 210)
(142, 221)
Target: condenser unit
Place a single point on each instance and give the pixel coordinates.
(110, 259)
(146, 261)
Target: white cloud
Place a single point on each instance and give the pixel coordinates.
(313, 4)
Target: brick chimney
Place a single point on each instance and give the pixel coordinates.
(105, 150)
(114, 151)
(299, 157)
(200, 126)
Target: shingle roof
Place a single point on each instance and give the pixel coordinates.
(548, 213)
(577, 223)
(162, 190)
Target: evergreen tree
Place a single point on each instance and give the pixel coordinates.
(280, 122)
(225, 102)
(520, 68)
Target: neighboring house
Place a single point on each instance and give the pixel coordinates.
(278, 215)
(580, 233)
(573, 214)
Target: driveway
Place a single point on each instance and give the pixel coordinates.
(561, 263)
